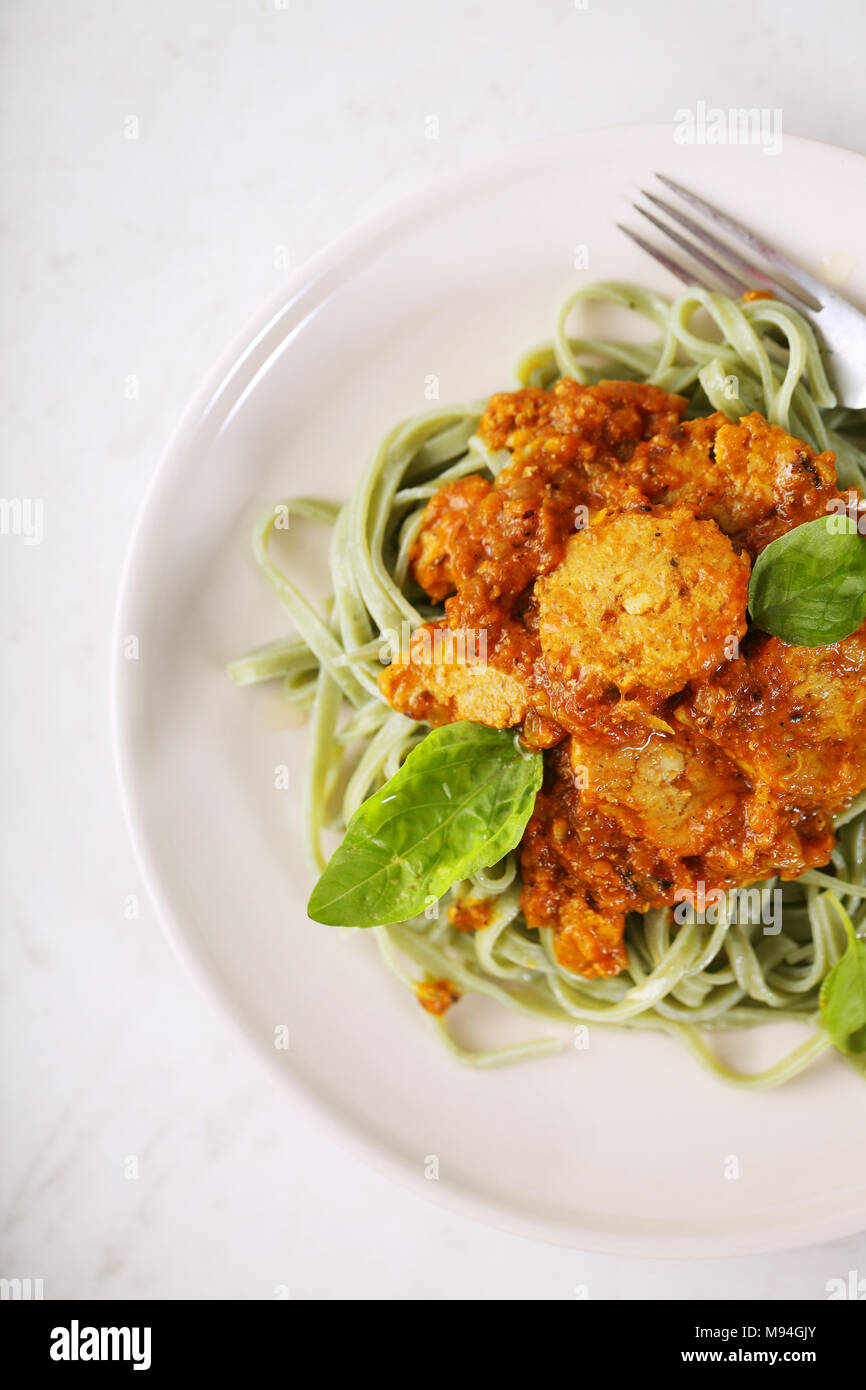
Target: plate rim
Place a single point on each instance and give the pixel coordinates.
(321, 1112)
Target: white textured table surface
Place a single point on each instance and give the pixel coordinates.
(263, 130)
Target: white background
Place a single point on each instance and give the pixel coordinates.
(261, 127)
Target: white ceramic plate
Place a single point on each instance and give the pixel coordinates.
(627, 1146)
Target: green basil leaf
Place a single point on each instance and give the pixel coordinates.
(459, 803)
(809, 586)
(843, 994)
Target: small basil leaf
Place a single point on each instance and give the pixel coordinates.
(459, 803)
(809, 586)
(843, 994)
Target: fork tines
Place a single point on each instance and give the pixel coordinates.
(733, 271)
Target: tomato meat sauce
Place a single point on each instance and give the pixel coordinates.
(598, 587)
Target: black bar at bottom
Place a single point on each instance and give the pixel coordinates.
(66, 1338)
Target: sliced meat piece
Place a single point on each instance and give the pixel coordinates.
(752, 478)
(792, 718)
(447, 675)
(621, 828)
(643, 600)
(675, 790)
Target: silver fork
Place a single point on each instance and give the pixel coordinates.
(842, 327)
